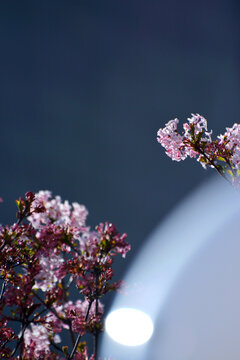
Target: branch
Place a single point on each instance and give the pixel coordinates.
(213, 164)
(49, 308)
(79, 335)
(96, 332)
(2, 246)
(38, 314)
(56, 346)
(65, 299)
(20, 339)
(23, 215)
(2, 290)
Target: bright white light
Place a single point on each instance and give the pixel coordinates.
(129, 326)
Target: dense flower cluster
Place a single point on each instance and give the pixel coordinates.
(195, 141)
(48, 252)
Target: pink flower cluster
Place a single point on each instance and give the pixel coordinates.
(195, 141)
(57, 212)
(44, 256)
(37, 340)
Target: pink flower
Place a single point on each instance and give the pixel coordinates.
(57, 212)
(37, 340)
(172, 141)
(54, 252)
(50, 271)
(196, 141)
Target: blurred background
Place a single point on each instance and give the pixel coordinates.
(85, 85)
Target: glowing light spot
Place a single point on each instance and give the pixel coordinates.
(129, 326)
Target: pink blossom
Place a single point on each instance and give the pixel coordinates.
(37, 340)
(57, 212)
(52, 253)
(172, 141)
(78, 215)
(231, 140)
(199, 124)
(49, 273)
(223, 154)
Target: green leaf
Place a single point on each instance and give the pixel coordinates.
(65, 350)
(220, 158)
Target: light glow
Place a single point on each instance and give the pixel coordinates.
(128, 326)
(166, 254)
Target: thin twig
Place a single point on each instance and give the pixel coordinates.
(73, 248)
(56, 346)
(49, 308)
(20, 339)
(65, 299)
(2, 291)
(38, 314)
(79, 335)
(96, 332)
(213, 164)
(7, 341)
(23, 215)
(234, 172)
(2, 246)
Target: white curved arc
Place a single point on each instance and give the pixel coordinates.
(168, 249)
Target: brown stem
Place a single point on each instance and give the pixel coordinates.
(56, 346)
(232, 169)
(38, 314)
(25, 212)
(96, 332)
(65, 299)
(49, 308)
(2, 246)
(2, 291)
(213, 164)
(79, 335)
(20, 339)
